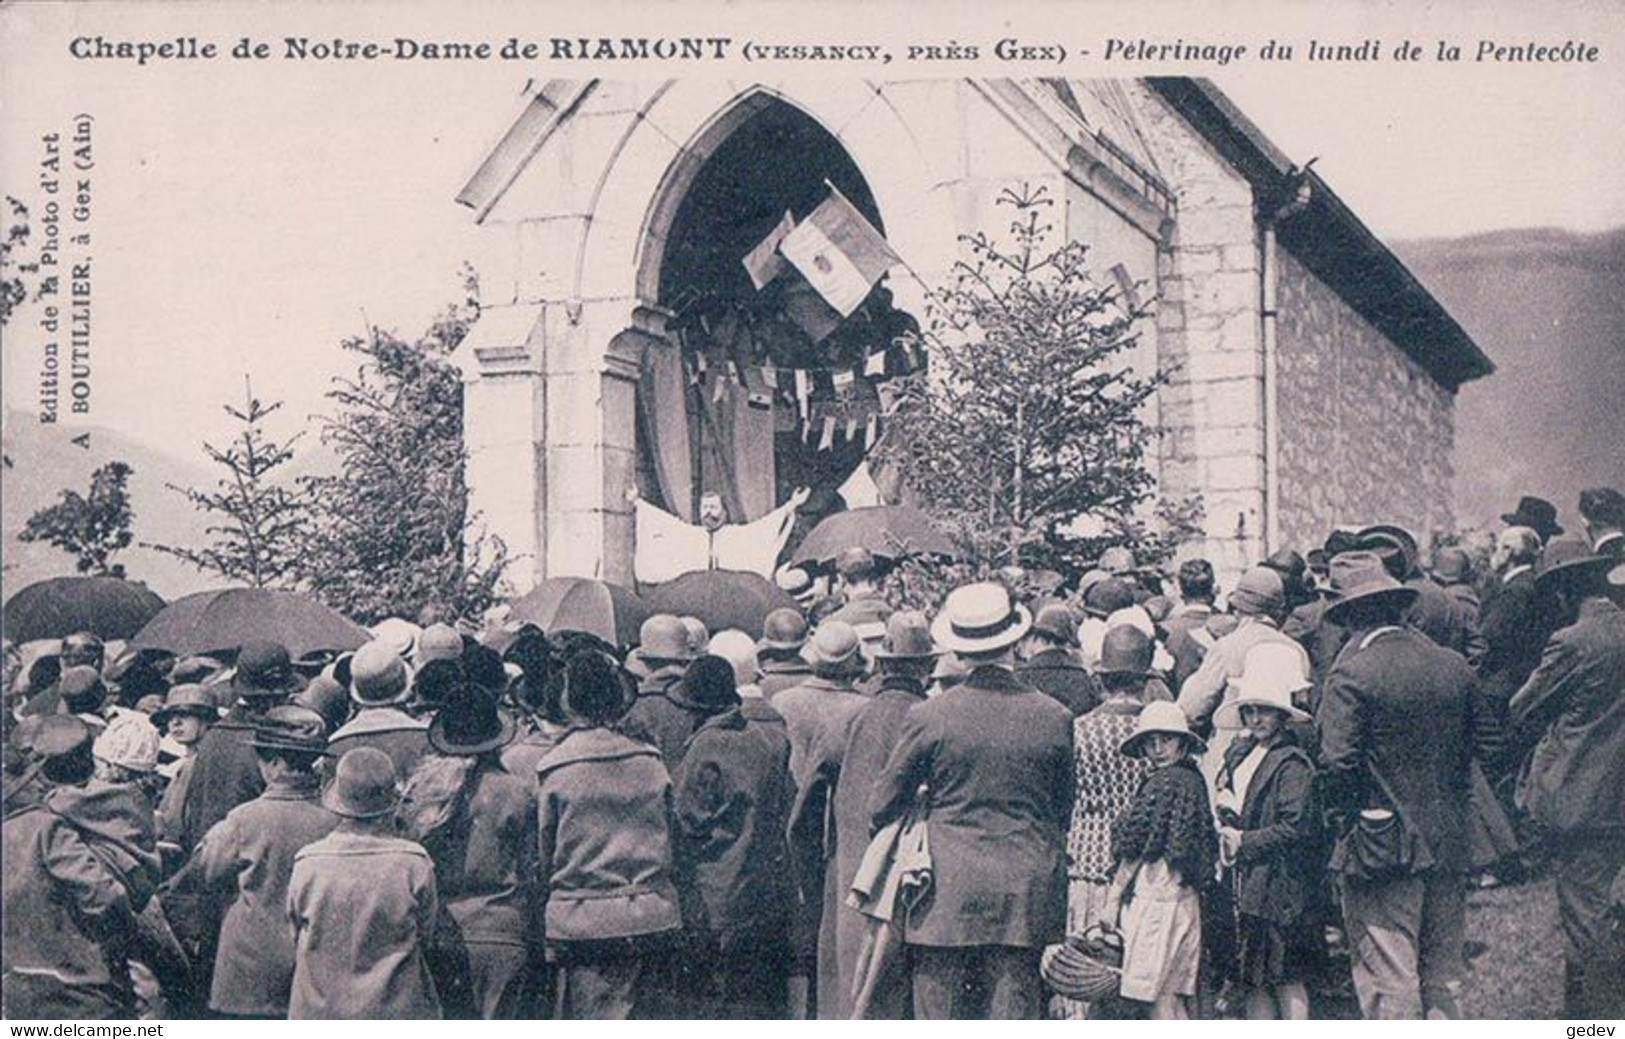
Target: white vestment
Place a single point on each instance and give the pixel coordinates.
(667, 547)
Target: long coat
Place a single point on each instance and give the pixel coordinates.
(732, 796)
(604, 838)
(225, 774)
(363, 909)
(665, 721)
(996, 756)
(817, 709)
(250, 852)
(1059, 675)
(1576, 699)
(831, 830)
(1398, 705)
(1446, 620)
(1515, 623)
(485, 859)
(1281, 857)
(79, 865)
(781, 674)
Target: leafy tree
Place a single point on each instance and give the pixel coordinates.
(259, 524)
(389, 531)
(13, 293)
(1029, 420)
(93, 527)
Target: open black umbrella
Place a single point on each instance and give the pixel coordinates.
(720, 598)
(611, 612)
(109, 607)
(221, 621)
(887, 531)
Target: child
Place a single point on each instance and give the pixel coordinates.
(1165, 847)
(1269, 833)
(363, 905)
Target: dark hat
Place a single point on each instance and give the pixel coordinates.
(82, 690)
(1569, 557)
(1316, 560)
(1361, 577)
(264, 669)
(1386, 536)
(189, 698)
(1287, 563)
(709, 683)
(1603, 507)
(1126, 650)
(436, 682)
(592, 688)
(289, 727)
(328, 698)
(60, 735)
(364, 785)
(784, 629)
(1055, 622)
(315, 662)
(908, 637)
(1108, 595)
(1537, 514)
(471, 723)
(855, 564)
(1341, 540)
(482, 665)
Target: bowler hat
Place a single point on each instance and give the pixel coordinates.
(833, 644)
(1055, 622)
(1538, 514)
(190, 699)
(1360, 576)
(1270, 673)
(1108, 595)
(1165, 717)
(1566, 557)
(264, 669)
(665, 637)
(784, 629)
(290, 727)
(1125, 650)
(980, 618)
(364, 785)
(471, 723)
(378, 676)
(908, 637)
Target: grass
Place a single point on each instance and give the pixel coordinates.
(1514, 953)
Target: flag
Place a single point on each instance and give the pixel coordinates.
(851, 432)
(839, 253)
(764, 263)
(869, 429)
(827, 440)
(770, 375)
(842, 380)
(875, 364)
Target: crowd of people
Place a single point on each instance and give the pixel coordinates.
(1101, 799)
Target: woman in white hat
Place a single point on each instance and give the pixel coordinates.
(1166, 849)
(1270, 834)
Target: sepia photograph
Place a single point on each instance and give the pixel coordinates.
(829, 511)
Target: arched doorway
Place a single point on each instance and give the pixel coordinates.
(778, 390)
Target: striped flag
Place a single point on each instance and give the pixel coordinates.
(763, 263)
(839, 253)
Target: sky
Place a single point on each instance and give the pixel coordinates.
(247, 216)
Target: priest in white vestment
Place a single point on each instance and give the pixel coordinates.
(668, 547)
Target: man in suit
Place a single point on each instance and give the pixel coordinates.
(1575, 704)
(1188, 638)
(1515, 625)
(1538, 514)
(1604, 512)
(995, 756)
(1050, 663)
(1398, 723)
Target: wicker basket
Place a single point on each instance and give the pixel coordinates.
(1086, 967)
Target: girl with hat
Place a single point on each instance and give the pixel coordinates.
(1165, 848)
(1270, 835)
(610, 907)
(477, 821)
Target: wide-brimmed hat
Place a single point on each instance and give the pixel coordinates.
(364, 785)
(784, 629)
(129, 741)
(379, 676)
(1125, 650)
(980, 618)
(1360, 576)
(1055, 622)
(190, 698)
(1537, 514)
(908, 637)
(1388, 538)
(665, 637)
(264, 669)
(1165, 717)
(1270, 673)
(470, 723)
(1565, 557)
(833, 644)
(290, 727)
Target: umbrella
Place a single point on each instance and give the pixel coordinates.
(611, 612)
(221, 621)
(720, 598)
(109, 607)
(891, 531)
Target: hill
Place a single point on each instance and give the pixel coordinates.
(1548, 307)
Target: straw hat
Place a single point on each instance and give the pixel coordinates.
(980, 618)
(1161, 716)
(1270, 673)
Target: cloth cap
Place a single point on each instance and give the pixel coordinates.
(438, 642)
(739, 650)
(832, 644)
(290, 727)
(264, 669)
(980, 618)
(129, 741)
(908, 637)
(378, 675)
(364, 784)
(1259, 590)
(1271, 673)
(1161, 716)
(665, 637)
(1108, 595)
